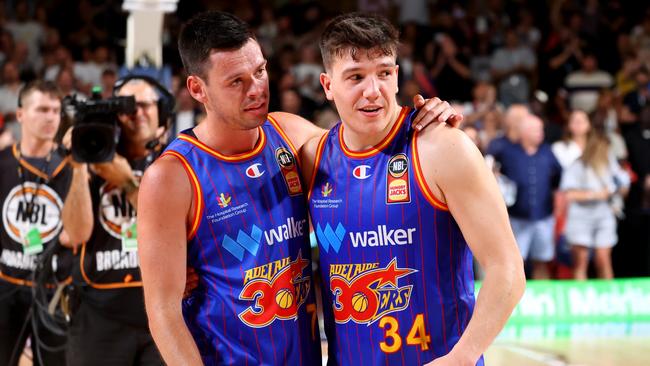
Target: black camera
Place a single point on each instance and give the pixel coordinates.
(96, 131)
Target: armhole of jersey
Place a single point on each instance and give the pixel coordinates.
(319, 155)
(196, 192)
(419, 177)
(102, 286)
(284, 137)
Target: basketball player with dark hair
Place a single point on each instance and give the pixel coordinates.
(398, 214)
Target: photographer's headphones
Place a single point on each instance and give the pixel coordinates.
(166, 100)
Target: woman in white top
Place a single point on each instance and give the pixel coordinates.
(589, 184)
(570, 148)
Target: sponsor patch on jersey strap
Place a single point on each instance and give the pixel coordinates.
(275, 290)
(364, 292)
(287, 163)
(398, 188)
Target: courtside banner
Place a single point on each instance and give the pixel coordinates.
(551, 310)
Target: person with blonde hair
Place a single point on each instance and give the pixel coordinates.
(590, 184)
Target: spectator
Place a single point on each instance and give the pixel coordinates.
(9, 90)
(451, 70)
(583, 85)
(534, 169)
(570, 148)
(512, 68)
(590, 183)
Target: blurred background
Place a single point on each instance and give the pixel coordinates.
(581, 66)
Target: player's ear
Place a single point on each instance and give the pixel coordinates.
(196, 86)
(326, 82)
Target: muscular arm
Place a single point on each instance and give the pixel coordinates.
(77, 212)
(459, 177)
(165, 199)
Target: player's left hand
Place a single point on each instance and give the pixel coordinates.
(434, 110)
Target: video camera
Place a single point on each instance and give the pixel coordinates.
(96, 131)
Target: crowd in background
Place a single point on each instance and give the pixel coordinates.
(555, 93)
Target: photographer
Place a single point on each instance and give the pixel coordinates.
(109, 326)
(36, 179)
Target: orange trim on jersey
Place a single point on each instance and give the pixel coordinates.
(419, 177)
(103, 286)
(229, 158)
(35, 170)
(197, 192)
(381, 145)
(319, 155)
(21, 282)
(285, 138)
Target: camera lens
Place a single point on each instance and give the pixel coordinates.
(93, 143)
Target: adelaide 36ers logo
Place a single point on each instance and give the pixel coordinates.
(277, 290)
(365, 292)
(23, 211)
(115, 209)
(289, 170)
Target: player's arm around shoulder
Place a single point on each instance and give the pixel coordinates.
(164, 205)
(297, 129)
(458, 176)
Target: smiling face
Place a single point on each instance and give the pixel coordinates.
(364, 90)
(236, 88)
(140, 127)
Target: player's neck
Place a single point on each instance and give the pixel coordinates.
(34, 147)
(360, 141)
(227, 140)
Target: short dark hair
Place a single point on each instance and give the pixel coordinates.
(208, 31)
(349, 33)
(45, 87)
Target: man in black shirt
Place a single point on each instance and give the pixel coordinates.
(36, 180)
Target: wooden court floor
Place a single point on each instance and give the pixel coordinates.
(624, 351)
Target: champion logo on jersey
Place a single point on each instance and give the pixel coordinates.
(224, 200)
(361, 172)
(254, 171)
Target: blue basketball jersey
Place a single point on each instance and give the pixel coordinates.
(249, 243)
(398, 284)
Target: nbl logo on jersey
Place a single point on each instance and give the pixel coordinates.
(364, 292)
(275, 290)
(32, 206)
(398, 189)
